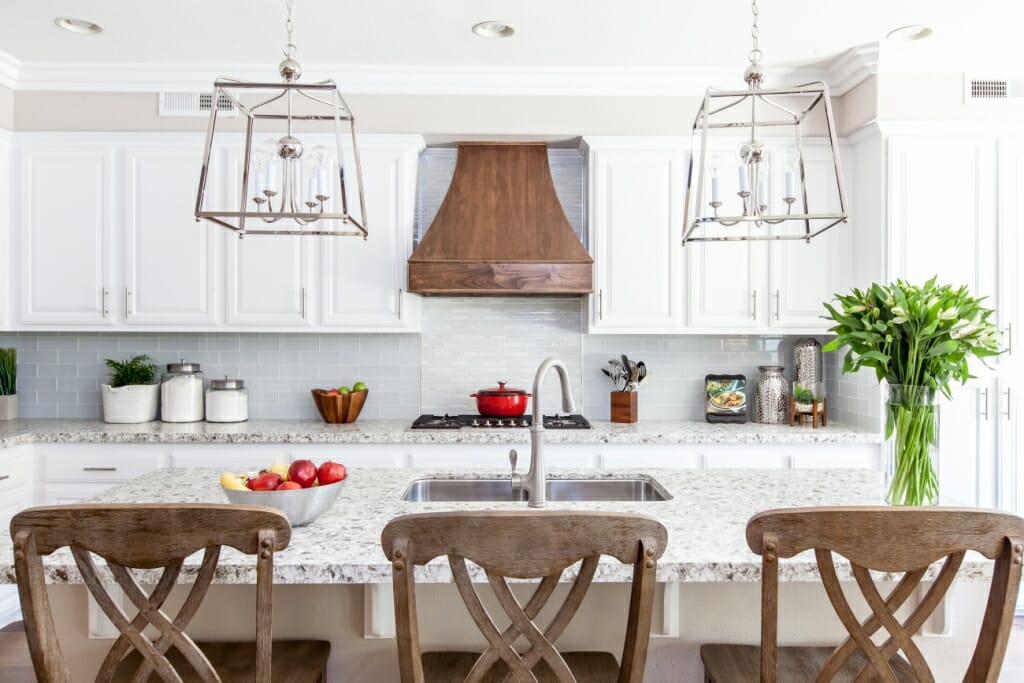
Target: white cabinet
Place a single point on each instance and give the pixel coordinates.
(64, 224)
(104, 236)
(363, 281)
(270, 280)
(967, 451)
(635, 230)
(771, 286)
(171, 262)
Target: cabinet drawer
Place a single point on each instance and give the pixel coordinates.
(85, 467)
(12, 502)
(15, 471)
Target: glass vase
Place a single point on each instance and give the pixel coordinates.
(912, 430)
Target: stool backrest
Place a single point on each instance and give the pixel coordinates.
(147, 537)
(523, 545)
(907, 540)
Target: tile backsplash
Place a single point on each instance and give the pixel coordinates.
(59, 375)
(465, 344)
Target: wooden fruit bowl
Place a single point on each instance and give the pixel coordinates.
(340, 409)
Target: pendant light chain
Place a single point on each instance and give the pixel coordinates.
(289, 47)
(755, 52)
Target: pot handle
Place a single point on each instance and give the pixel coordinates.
(473, 395)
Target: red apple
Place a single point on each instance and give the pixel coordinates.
(331, 472)
(265, 482)
(332, 392)
(303, 472)
(288, 486)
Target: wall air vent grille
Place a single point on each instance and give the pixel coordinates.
(194, 104)
(988, 89)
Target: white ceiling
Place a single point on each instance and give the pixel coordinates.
(565, 34)
(437, 32)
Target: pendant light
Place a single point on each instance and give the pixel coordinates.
(766, 162)
(285, 186)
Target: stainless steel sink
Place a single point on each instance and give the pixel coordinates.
(500, 490)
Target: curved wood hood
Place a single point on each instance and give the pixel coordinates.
(501, 230)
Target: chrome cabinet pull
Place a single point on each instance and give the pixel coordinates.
(1006, 412)
(600, 304)
(127, 301)
(1009, 339)
(753, 297)
(400, 296)
(4, 477)
(99, 469)
(302, 302)
(984, 403)
(777, 305)
(106, 309)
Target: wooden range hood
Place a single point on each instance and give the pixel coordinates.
(501, 230)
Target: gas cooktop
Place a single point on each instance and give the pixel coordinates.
(459, 421)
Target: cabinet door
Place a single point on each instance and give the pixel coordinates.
(966, 461)
(363, 281)
(65, 226)
(803, 275)
(725, 282)
(269, 280)
(171, 264)
(942, 203)
(1011, 251)
(636, 219)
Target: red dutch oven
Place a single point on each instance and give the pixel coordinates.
(500, 401)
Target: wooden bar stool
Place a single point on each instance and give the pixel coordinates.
(889, 539)
(159, 537)
(522, 545)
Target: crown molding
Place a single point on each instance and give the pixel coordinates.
(9, 70)
(850, 69)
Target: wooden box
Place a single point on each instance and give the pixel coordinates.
(624, 406)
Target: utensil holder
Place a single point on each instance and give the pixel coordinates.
(624, 406)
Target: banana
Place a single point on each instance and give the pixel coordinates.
(232, 481)
(280, 468)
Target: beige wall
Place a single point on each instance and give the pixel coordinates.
(435, 116)
(937, 97)
(6, 108)
(858, 107)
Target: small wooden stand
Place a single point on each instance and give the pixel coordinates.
(819, 409)
(624, 406)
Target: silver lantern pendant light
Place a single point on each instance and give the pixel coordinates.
(766, 163)
(286, 187)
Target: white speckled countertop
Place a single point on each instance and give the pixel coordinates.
(18, 432)
(705, 518)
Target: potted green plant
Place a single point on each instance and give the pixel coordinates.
(918, 339)
(133, 394)
(8, 384)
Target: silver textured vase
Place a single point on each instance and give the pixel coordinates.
(807, 362)
(772, 403)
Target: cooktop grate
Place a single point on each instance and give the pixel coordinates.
(480, 422)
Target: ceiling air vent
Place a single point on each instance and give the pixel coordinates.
(977, 89)
(194, 104)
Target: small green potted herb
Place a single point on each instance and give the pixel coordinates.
(133, 394)
(8, 384)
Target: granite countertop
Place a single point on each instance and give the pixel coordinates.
(28, 431)
(705, 518)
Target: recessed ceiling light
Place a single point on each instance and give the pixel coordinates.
(493, 29)
(77, 25)
(908, 33)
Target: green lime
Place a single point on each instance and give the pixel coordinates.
(359, 386)
(344, 390)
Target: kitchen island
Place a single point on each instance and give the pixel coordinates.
(710, 578)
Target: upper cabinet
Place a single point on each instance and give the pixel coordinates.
(635, 231)
(363, 281)
(170, 262)
(64, 225)
(105, 229)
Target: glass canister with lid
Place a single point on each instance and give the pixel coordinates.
(181, 393)
(227, 401)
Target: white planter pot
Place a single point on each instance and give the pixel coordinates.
(130, 404)
(9, 407)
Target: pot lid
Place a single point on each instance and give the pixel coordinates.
(183, 367)
(227, 383)
(502, 390)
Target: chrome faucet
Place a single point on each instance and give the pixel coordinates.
(535, 481)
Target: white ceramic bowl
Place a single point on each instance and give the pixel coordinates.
(301, 506)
